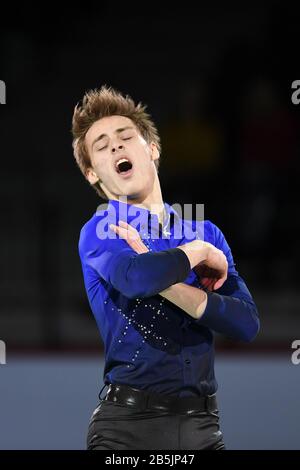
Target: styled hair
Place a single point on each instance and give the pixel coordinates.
(104, 102)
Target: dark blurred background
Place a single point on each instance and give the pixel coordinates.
(217, 81)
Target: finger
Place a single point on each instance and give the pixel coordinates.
(123, 233)
(112, 227)
(141, 247)
(208, 283)
(126, 234)
(136, 244)
(124, 224)
(205, 281)
(127, 226)
(213, 283)
(220, 282)
(210, 286)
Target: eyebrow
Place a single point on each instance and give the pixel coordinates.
(117, 131)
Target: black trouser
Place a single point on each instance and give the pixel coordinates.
(121, 427)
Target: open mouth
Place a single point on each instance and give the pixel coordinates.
(123, 165)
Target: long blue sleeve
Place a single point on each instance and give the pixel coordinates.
(133, 275)
(231, 310)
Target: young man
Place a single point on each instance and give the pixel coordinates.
(157, 293)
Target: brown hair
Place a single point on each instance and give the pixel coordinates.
(104, 102)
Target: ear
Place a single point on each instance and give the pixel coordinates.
(91, 176)
(154, 151)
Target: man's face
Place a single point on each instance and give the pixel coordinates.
(121, 159)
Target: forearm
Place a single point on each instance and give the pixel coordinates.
(149, 273)
(190, 299)
(235, 317)
(232, 311)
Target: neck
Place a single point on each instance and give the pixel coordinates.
(152, 201)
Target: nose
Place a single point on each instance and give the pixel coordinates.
(116, 147)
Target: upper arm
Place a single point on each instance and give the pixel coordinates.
(103, 255)
(220, 242)
(234, 286)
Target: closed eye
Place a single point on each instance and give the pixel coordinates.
(105, 146)
(102, 148)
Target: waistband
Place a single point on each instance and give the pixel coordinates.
(144, 400)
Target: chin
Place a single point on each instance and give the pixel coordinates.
(137, 193)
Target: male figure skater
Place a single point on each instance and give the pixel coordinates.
(158, 286)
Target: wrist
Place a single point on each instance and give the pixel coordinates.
(166, 292)
(196, 251)
(204, 247)
(202, 305)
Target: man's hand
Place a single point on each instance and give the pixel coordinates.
(131, 235)
(207, 276)
(209, 263)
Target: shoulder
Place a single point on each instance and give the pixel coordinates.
(201, 229)
(87, 232)
(214, 235)
(210, 230)
(205, 230)
(96, 229)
